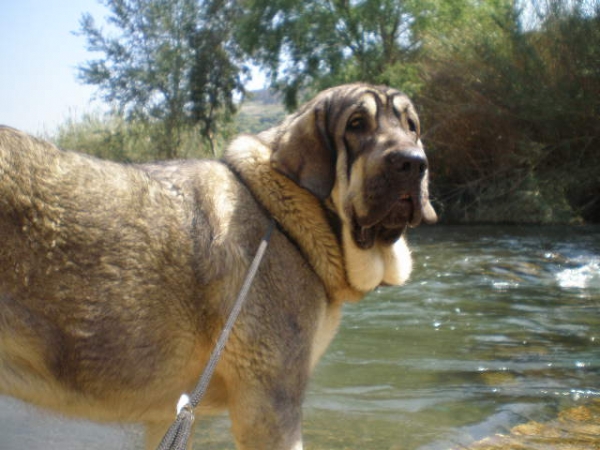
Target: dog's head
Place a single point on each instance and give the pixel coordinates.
(358, 148)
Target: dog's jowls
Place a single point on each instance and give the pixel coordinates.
(115, 280)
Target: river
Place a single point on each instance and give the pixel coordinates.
(498, 326)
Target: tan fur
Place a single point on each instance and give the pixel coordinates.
(115, 280)
(299, 212)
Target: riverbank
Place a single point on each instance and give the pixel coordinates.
(574, 429)
(528, 203)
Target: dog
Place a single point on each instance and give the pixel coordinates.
(116, 279)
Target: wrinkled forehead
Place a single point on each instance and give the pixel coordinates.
(375, 102)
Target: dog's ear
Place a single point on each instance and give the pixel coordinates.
(303, 152)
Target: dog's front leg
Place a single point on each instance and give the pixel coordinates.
(267, 419)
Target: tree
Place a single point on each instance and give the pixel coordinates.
(217, 72)
(155, 65)
(319, 43)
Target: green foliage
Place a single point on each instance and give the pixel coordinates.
(314, 44)
(169, 63)
(113, 137)
(513, 117)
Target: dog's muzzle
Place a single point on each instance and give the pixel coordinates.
(396, 197)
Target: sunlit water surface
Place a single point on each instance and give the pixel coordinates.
(498, 326)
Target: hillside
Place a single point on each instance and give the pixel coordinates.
(259, 111)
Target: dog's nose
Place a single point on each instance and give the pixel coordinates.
(410, 163)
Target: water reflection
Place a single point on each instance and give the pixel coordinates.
(498, 326)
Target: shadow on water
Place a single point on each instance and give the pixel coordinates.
(498, 326)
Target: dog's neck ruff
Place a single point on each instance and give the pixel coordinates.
(299, 212)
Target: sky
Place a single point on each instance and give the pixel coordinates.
(38, 59)
(39, 55)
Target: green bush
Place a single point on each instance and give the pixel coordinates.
(513, 119)
(112, 137)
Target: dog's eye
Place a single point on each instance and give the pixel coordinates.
(356, 124)
(412, 126)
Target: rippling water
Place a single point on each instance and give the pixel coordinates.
(498, 326)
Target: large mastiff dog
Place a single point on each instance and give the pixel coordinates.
(115, 280)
